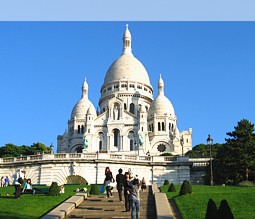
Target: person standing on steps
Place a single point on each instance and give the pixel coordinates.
(126, 187)
(108, 179)
(120, 182)
(134, 189)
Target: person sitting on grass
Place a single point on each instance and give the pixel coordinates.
(28, 187)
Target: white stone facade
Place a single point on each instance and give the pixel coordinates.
(130, 120)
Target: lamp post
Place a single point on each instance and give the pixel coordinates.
(210, 142)
(51, 147)
(182, 142)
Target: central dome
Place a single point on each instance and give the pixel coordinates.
(127, 67)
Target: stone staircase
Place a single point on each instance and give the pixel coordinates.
(100, 207)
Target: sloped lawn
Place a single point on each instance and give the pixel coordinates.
(240, 199)
(31, 206)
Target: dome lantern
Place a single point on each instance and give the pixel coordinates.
(127, 49)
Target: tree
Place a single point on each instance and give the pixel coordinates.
(234, 160)
(186, 188)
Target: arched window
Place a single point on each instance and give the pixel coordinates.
(79, 129)
(116, 133)
(132, 108)
(131, 144)
(152, 128)
(100, 145)
(172, 127)
(82, 129)
(125, 106)
(159, 128)
(163, 126)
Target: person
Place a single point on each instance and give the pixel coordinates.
(143, 186)
(6, 181)
(108, 180)
(2, 181)
(17, 184)
(120, 181)
(126, 187)
(133, 190)
(28, 187)
(62, 189)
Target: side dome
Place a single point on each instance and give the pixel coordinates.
(161, 105)
(84, 105)
(81, 109)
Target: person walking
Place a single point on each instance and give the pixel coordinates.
(17, 183)
(108, 179)
(120, 182)
(133, 190)
(126, 187)
(143, 186)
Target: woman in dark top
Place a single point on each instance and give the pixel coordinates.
(108, 180)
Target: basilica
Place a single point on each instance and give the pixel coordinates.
(129, 119)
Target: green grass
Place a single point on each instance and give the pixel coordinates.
(29, 206)
(240, 199)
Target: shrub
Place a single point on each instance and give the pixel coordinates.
(75, 179)
(166, 182)
(224, 211)
(246, 184)
(185, 188)
(211, 211)
(54, 189)
(171, 188)
(94, 190)
(166, 154)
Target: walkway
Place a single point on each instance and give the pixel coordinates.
(100, 207)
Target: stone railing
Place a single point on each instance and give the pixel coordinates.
(96, 156)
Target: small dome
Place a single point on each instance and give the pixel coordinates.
(81, 108)
(161, 106)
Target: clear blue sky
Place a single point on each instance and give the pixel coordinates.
(208, 69)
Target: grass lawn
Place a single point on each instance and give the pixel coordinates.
(240, 199)
(30, 206)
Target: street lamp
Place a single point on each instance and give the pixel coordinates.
(210, 142)
(182, 142)
(51, 147)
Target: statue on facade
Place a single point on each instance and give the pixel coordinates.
(141, 141)
(85, 142)
(115, 113)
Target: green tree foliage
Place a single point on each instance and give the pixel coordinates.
(234, 162)
(54, 189)
(224, 211)
(211, 211)
(171, 188)
(94, 190)
(186, 188)
(11, 150)
(203, 151)
(166, 182)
